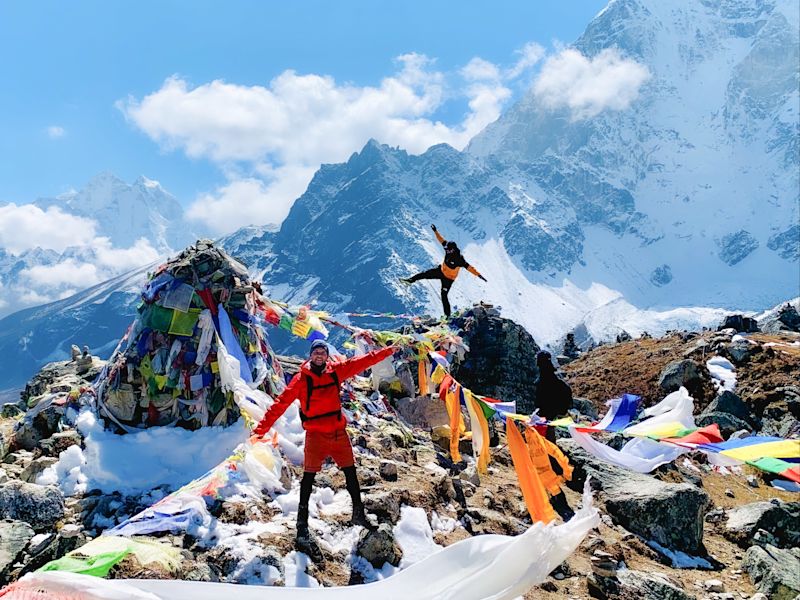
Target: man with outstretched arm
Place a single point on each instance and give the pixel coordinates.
(317, 387)
(446, 272)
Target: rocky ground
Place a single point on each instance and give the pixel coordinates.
(744, 532)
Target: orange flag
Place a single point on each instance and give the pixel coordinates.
(532, 489)
(422, 374)
(454, 410)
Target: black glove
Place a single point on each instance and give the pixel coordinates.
(433, 227)
(482, 277)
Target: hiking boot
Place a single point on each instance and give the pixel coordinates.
(305, 543)
(405, 281)
(360, 518)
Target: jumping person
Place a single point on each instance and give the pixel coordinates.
(447, 271)
(317, 386)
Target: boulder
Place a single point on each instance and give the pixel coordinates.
(384, 504)
(637, 584)
(388, 470)
(773, 571)
(679, 373)
(501, 362)
(728, 402)
(671, 514)
(740, 323)
(728, 423)
(60, 441)
(780, 519)
(14, 537)
(786, 318)
(740, 351)
(425, 412)
(585, 407)
(379, 547)
(36, 427)
(36, 466)
(41, 506)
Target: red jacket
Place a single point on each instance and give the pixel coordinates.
(323, 410)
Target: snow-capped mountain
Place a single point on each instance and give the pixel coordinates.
(706, 158)
(132, 225)
(127, 212)
(620, 219)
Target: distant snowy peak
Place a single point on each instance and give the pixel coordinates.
(126, 212)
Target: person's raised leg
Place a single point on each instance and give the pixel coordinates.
(434, 273)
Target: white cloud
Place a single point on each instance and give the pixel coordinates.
(279, 134)
(247, 201)
(588, 86)
(27, 226)
(530, 54)
(55, 131)
(78, 268)
(69, 272)
(119, 260)
(479, 69)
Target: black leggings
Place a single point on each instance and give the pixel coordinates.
(447, 283)
(307, 482)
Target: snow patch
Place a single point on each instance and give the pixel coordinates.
(723, 373)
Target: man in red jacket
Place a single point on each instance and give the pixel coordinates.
(317, 386)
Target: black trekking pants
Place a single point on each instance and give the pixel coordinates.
(447, 283)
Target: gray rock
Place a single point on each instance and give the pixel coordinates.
(60, 441)
(200, 572)
(784, 319)
(35, 467)
(728, 402)
(773, 571)
(425, 412)
(781, 519)
(384, 504)
(33, 429)
(470, 474)
(52, 548)
(480, 520)
(379, 547)
(740, 351)
(501, 362)
(11, 410)
(740, 323)
(14, 537)
(388, 470)
(585, 407)
(637, 584)
(40, 506)
(671, 514)
(727, 422)
(679, 373)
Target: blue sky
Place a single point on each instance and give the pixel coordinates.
(68, 64)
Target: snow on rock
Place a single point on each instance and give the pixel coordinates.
(722, 372)
(414, 536)
(140, 461)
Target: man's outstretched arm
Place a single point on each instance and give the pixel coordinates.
(279, 407)
(357, 364)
